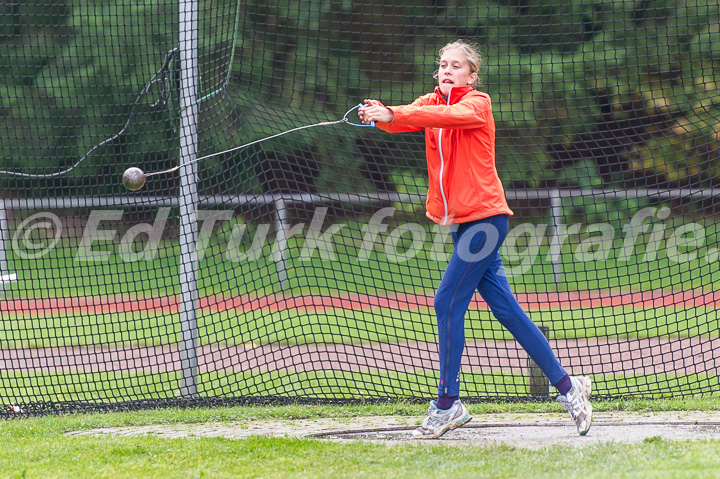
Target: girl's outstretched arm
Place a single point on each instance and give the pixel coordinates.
(473, 112)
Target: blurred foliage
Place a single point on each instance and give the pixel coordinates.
(586, 93)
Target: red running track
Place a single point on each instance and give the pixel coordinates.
(317, 303)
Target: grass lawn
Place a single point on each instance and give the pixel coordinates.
(49, 328)
(38, 447)
(62, 273)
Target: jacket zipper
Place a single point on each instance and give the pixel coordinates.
(442, 167)
(444, 221)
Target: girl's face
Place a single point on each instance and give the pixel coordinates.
(454, 71)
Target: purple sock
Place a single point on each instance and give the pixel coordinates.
(564, 385)
(445, 402)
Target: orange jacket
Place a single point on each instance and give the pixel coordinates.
(460, 147)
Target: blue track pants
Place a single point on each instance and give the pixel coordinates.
(476, 264)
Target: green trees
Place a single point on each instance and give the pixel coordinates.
(626, 89)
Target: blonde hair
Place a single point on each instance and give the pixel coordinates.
(472, 54)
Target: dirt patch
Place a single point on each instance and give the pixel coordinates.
(518, 430)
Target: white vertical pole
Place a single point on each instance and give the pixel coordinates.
(4, 275)
(556, 237)
(188, 40)
(281, 241)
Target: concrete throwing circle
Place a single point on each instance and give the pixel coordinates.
(539, 436)
(531, 431)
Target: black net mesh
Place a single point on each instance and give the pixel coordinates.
(302, 267)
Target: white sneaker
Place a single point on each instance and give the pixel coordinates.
(577, 404)
(439, 422)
